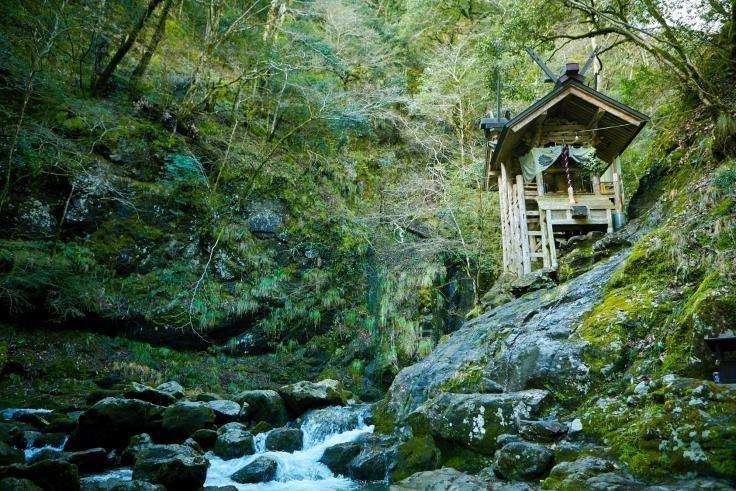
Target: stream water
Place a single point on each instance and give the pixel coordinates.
(298, 471)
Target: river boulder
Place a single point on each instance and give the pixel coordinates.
(136, 444)
(445, 479)
(112, 421)
(205, 438)
(475, 420)
(53, 475)
(16, 484)
(523, 461)
(173, 466)
(338, 457)
(10, 455)
(285, 439)
(148, 394)
(264, 405)
(174, 389)
(119, 485)
(233, 441)
(376, 459)
(304, 395)
(262, 469)
(228, 411)
(542, 431)
(182, 419)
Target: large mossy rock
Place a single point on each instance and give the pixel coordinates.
(264, 405)
(112, 421)
(53, 475)
(182, 419)
(574, 474)
(285, 440)
(10, 455)
(304, 395)
(261, 469)
(338, 457)
(119, 485)
(445, 479)
(228, 411)
(522, 344)
(474, 421)
(173, 466)
(172, 388)
(148, 394)
(233, 441)
(16, 484)
(376, 459)
(523, 461)
(417, 454)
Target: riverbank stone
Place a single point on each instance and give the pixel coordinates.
(233, 441)
(173, 466)
(262, 469)
(112, 421)
(523, 461)
(285, 440)
(304, 395)
(264, 405)
(182, 419)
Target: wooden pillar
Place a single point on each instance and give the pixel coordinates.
(543, 224)
(552, 249)
(504, 214)
(596, 185)
(617, 193)
(523, 228)
(609, 217)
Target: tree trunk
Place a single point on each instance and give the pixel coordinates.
(158, 35)
(128, 42)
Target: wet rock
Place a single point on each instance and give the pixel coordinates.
(54, 475)
(301, 396)
(192, 443)
(523, 461)
(376, 459)
(338, 457)
(173, 466)
(228, 411)
(16, 484)
(219, 488)
(522, 344)
(247, 343)
(119, 485)
(111, 422)
(38, 439)
(417, 454)
(233, 441)
(285, 439)
(262, 469)
(10, 455)
(205, 438)
(261, 427)
(149, 394)
(543, 431)
(172, 388)
(137, 443)
(612, 481)
(185, 417)
(574, 474)
(474, 420)
(207, 397)
(264, 405)
(445, 479)
(87, 461)
(694, 484)
(536, 280)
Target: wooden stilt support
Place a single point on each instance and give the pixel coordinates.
(525, 257)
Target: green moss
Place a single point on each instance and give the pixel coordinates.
(461, 458)
(417, 454)
(383, 417)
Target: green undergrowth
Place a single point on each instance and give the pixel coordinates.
(653, 404)
(58, 369)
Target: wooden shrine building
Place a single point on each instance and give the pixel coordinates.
(557, 168)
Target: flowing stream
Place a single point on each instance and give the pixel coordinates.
(300, 470)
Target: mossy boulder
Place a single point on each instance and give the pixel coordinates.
(417, 454)
(285, 440)
(233, 441)
(262, 469)
(172, 466)
(182, 419)
(475, 421)
(572, 476)
(52, 475)
(305, 395)
(338, 457)
(523, 461)
(264, 405)
(10, 455)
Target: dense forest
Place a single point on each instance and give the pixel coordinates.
(224, 220)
